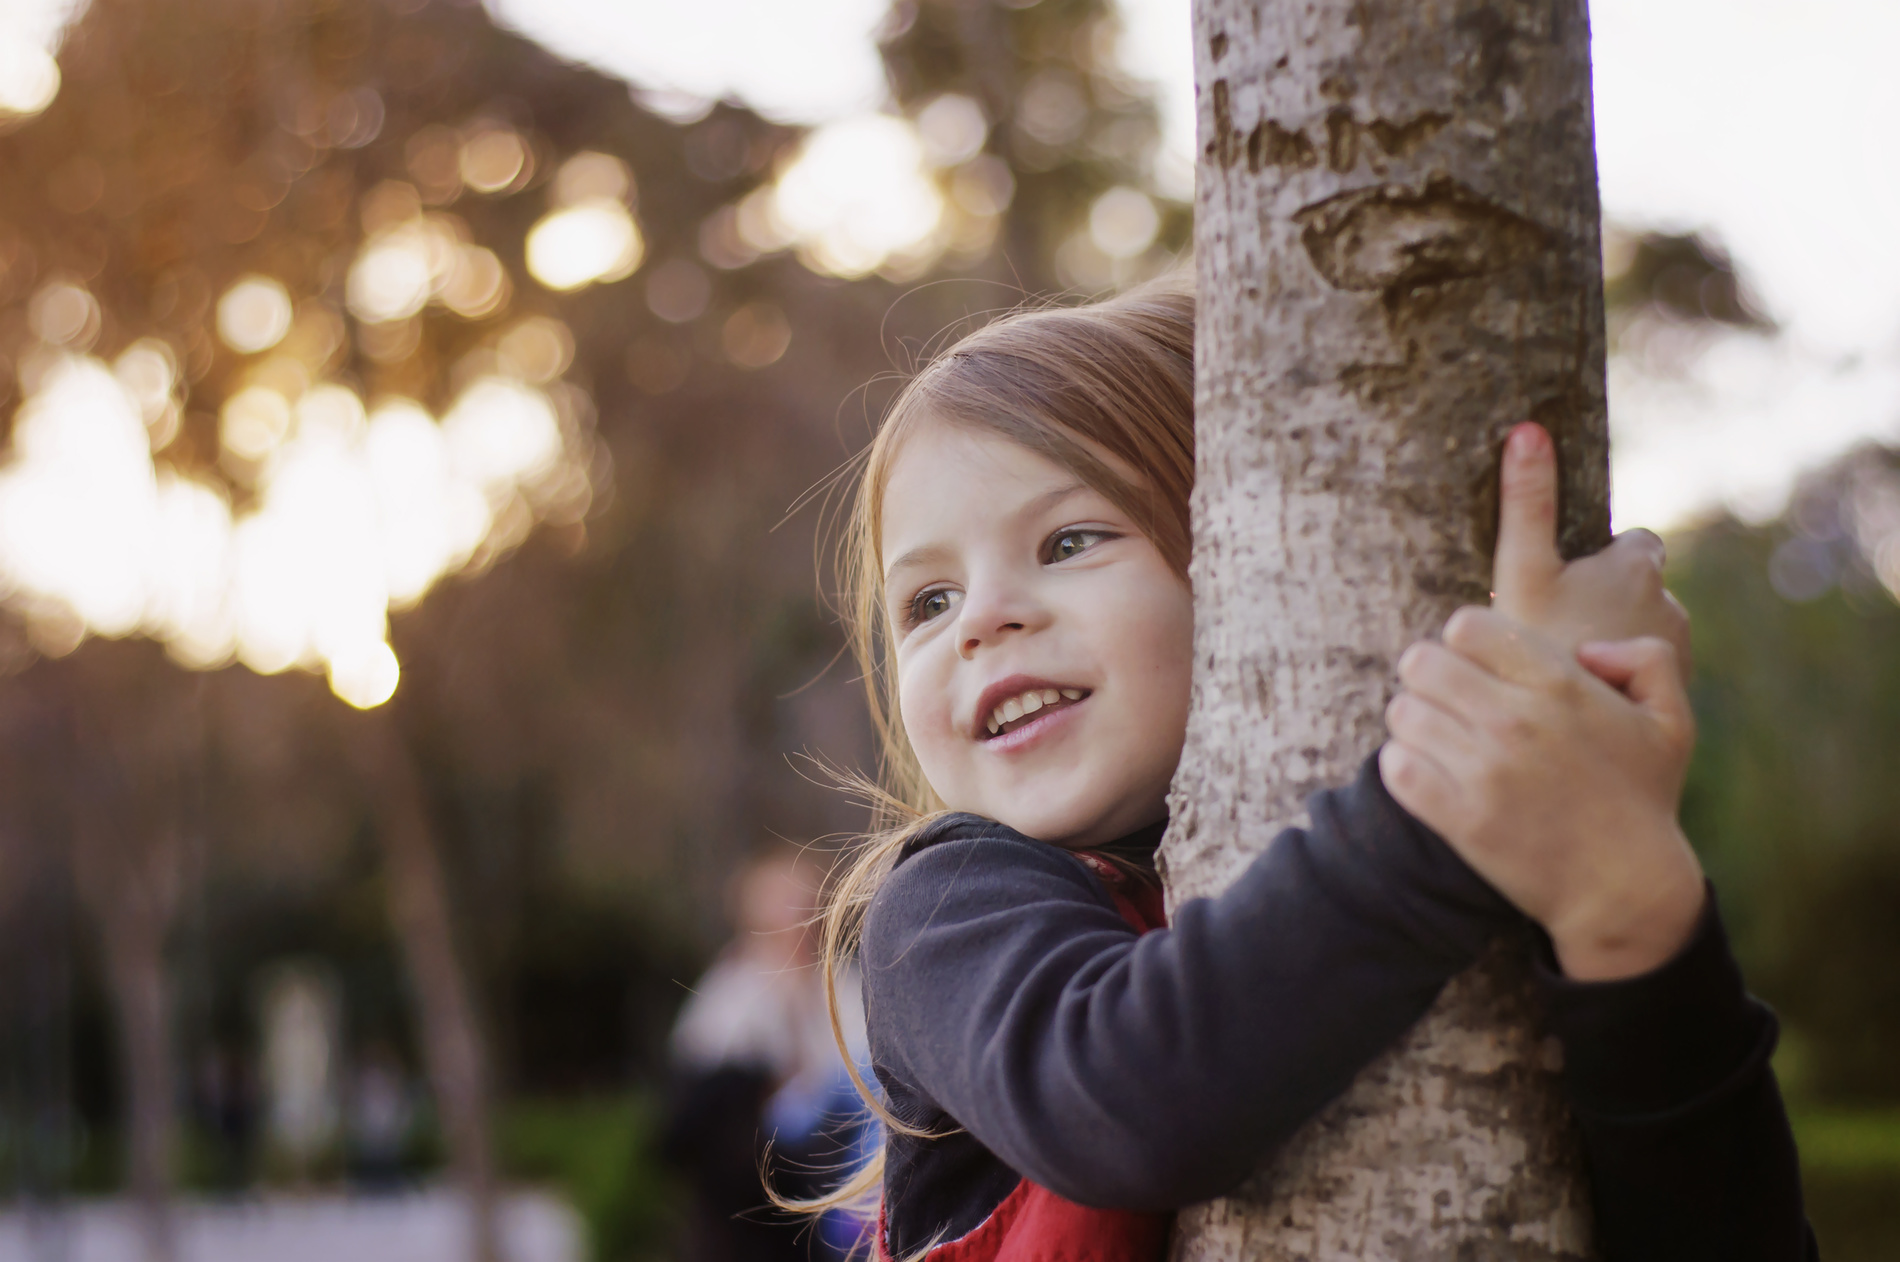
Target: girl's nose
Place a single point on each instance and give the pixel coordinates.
(992, 613)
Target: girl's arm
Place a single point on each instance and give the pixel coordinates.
(1560, 785)
(1006, 992)
(1687, 1141)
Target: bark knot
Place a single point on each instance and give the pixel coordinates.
(1390, 238)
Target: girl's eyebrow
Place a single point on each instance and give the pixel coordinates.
(916, 556)
(929, 552)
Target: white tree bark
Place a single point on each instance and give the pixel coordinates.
(1397, 242)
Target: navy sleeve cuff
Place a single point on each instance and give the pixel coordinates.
(1371, 853)
(1666, 1040)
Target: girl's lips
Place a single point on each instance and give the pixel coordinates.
(1043, 725)
(1053, 693)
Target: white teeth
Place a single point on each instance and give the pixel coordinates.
(1028, 703)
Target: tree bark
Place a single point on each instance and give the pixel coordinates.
(1397, 243)
(453, 1051)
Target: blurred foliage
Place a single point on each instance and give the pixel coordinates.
(599, 1153)
(604, 710)
(1068, 125)
(1683, 274)
(1791, 796)
(1794, 807)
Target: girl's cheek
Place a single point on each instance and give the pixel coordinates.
(923, 703)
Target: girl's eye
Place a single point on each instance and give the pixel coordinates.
(927, 605)
(1071, 543)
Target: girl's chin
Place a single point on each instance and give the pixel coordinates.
(1074, 825)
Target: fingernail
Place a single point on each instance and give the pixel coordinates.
(1528, 440)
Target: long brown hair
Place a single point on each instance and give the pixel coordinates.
(1088, 388)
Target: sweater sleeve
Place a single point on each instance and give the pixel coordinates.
(1690, 1154)
(1151, 1072)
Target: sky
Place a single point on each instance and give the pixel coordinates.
(1774, 138)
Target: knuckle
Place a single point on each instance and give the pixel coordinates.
(1400, 769)
(1568, 688)
(1462, 628)
(1509, 726)
(1489, 783)
(1653, 649)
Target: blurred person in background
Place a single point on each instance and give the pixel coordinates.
(381, 1108)
(759, 1085)
(227, 1110)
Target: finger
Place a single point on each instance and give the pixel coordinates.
(1646, 541)
(1646, 671)
(1504, 646)
(1526, 562)
(1454, 683)
(1414, 719)
(1419, 784)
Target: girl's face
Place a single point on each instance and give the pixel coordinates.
(1043, 645)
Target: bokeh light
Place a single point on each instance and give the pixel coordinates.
(148, 372)
(352, 511)
(1123, 222)
(254, 422)
(756, 335)
(495, 159)
(411, 259)
(393, 275)
(64, 313)
(953, 129)
(501, 433)
(366, 679)
(254, 315)
(592, 242)
(857, 195)
(537, 349)
(678, 291)
(29, 77)
(591, 176)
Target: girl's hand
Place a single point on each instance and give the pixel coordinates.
(1617, 594)
(1556, 776)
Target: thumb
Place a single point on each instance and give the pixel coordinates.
(1527, 562)
(1646, 671)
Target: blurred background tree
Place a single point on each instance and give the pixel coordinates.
(360, 353)
(363, 342)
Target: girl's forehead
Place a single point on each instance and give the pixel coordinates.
(941, 468)
(947, 484)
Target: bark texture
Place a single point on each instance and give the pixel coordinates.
(1397, 240)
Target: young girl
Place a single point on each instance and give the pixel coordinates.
(1059, 1071)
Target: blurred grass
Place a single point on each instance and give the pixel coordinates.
(1848, 1141)
(598, 1152)
(1850, 1174)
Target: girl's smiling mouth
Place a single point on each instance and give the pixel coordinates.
(1010, 705)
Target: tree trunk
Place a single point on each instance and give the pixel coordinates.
(1397, 238)
(453, 1052)
(129, 758)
